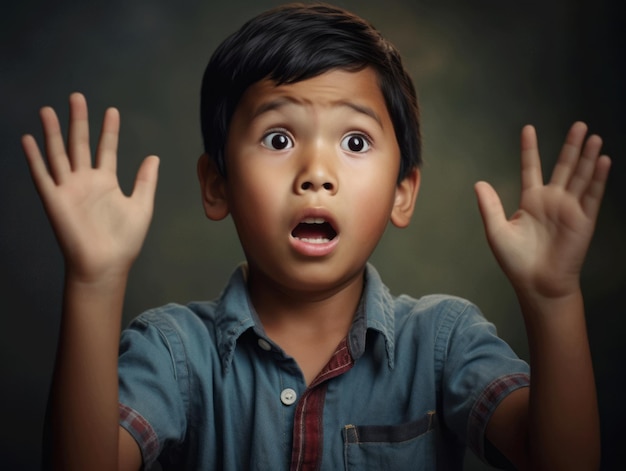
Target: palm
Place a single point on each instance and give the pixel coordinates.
(543, 245)
(98, 228)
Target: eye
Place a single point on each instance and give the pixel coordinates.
(277, 140)
(355, 143)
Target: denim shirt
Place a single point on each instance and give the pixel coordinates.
(202, 386)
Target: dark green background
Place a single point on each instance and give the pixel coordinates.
(482, 69)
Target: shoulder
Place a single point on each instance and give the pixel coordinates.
(177, 316)
(436, 310)
(449, 326)
(419, 321)
(435, 302)
(177, 328)
(173, 318)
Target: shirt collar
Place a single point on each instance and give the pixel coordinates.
(376, 313)
(235, 315)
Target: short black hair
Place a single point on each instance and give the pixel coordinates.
(295, 42)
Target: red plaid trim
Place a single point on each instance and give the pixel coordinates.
(306, 454)
(486, 404)
(142, 432)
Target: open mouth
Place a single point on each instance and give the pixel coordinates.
(314, 231)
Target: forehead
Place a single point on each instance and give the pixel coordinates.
(358, 91)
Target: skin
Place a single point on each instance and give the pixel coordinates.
(305, 291)
(100, 232)
(541, 249)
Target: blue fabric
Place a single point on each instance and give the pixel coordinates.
(428, 374)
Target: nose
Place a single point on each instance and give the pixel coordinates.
(317, 171)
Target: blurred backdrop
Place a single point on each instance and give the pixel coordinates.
(482, 69)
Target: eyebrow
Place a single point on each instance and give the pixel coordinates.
(366, 110)
(284, 101)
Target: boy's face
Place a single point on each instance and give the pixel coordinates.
(312, 179)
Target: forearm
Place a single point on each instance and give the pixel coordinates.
(563, 416)
(84, 413)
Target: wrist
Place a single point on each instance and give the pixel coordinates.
(550, 317)
(546, 288)
(104, 277)
(104, 291)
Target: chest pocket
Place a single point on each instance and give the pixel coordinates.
(398, 447)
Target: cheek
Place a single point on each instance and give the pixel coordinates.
(254, 203)
(371, 211)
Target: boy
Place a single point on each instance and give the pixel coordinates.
(306, 361)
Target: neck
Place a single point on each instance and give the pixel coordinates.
(321, 310)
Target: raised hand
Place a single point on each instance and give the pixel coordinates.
(100, 230)
(542, 247)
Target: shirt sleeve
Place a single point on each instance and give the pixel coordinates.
(153, 381)
(479, 370)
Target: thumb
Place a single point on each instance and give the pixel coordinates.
(146, 179)
(490, 207)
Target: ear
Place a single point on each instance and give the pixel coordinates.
(406, 195)
(213, 188)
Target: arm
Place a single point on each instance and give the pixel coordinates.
(100, 232)
(541, 249)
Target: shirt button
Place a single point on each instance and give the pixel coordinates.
(288, 396)
(264, 345)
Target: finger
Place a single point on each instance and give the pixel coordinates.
(146, 180)
(106, 156)
(530, 163)
(55, 147)
(78, 139)
(595, 190)
(569, 155)
(38, 170)
(490, 207)
(586, 166)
